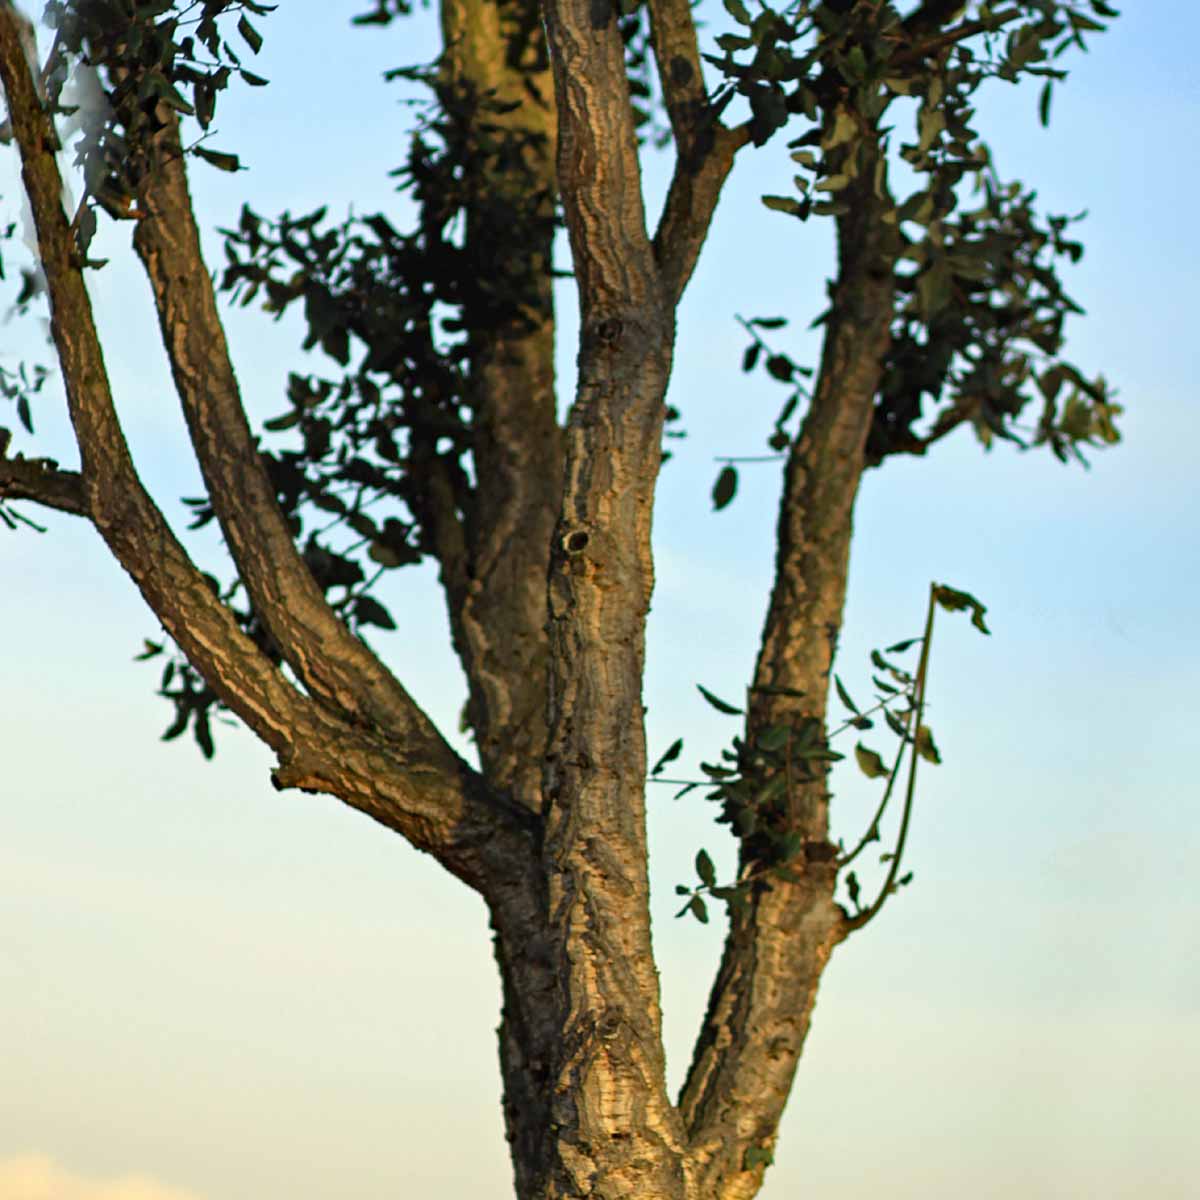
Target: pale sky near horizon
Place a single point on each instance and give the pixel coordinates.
(213, 991)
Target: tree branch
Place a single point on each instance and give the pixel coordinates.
(334, 665)
(680, 74)
(930, 17)
(950, 37)
(494, 559)
(417, 786)
(691, 202)
(598, 170)
(113, 495)
(41, 480)
(704, 148)
(778, 944)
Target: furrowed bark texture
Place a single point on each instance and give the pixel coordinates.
(778, 945)
(334, 665)
(613, 1132)
(40, 480)
(496, 579)
(418, 787)
(546, 562)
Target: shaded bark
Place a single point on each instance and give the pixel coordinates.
(43, 482)
(495, 551)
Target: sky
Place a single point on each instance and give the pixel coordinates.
(213, 991)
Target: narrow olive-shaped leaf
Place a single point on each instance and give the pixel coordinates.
(699, 910)
(725, 488)
(252, 36)
(721, 706)
(900, 647)
(844, 696)
(774, 737)
(223, 162)
(672, 753)
(925, 745)
(871, 765)
(177, 726)
(705, 869)
(203, 734)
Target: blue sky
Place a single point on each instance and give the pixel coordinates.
(231, 993)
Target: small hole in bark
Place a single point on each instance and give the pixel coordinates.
(574, 543)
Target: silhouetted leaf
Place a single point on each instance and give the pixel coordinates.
(717, 703)
(725, 487)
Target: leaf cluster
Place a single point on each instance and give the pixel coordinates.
(760, 780)
(153, 57)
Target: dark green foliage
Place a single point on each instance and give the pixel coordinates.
(980, 309)
(147, 54)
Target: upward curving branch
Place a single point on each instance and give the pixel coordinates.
(779, 943)
(335, 666)
(113, 495)
(416, 785)
(704, 148)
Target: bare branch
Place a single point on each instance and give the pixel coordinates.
(333, 664)
(41, 481)
(922, 46)
(121, 510)
(598, 171)
(680, 75)
(691, 202)
(704, 149)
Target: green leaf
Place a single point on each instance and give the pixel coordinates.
(1044, 102)
(150, 650)
(698, 909)
(952, 600)
(773, 738)
(750, 358)
(705, 869)
(369, 611)
(252, 36)
(871, 765)
(717, 703)
(853, 888)
(785, 204)
(202, 732)
(672, 753)
(223, 162)
(844, 696)
(725, 487)
(780, 367)
(900, 647)
(738, 11)
(925, 746)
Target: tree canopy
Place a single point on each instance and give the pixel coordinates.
(432, 431)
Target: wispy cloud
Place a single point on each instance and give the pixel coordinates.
(36, 1177)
